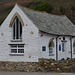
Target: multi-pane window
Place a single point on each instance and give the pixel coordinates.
(17, 29)
(50, 48)
(44, 48)
(16, 49)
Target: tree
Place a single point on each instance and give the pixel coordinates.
(62, 10)
(45, 7)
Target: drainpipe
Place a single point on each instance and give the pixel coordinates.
(57, 48)
(71, 47)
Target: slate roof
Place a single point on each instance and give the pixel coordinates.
(52, 24)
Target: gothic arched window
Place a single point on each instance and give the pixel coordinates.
(51, 46)
(17, 29)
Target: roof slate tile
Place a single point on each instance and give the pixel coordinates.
(52, 24)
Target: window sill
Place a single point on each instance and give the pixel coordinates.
(16, 40)
(16, 54)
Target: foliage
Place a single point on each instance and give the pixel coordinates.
(45, 7)
(62, 9)
(59, 7)
(73, 8)
(33, 4)
(43, 1)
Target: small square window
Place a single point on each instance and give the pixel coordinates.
(43, 48)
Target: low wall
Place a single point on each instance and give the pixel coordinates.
(44, 65)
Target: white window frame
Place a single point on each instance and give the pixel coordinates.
(17, 48)
(19, 37)
(51, 49)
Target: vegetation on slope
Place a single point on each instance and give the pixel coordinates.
(7, 5)
(58, 7)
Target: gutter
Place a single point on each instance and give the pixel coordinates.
(57, 48)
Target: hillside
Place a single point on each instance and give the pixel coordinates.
(58, 7)
(7, 5)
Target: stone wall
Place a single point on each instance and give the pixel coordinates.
(44, 65)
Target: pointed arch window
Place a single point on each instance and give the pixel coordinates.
(17, 29)
(51, 46)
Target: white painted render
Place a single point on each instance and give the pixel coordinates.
(67, 52)
(30, 40)
(44, 41)
(33, 42)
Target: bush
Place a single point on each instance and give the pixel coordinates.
(73, 8)
(45, 7)
(62, 10)
(32, 4)
(68, 58)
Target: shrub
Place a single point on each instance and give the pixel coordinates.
(45, 7)
(62, 10)
(68, 58)
(32, 4)
(73, 8)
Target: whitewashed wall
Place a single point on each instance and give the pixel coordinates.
(30, 40)
(44, 41)
(67, 52)
(33, 42)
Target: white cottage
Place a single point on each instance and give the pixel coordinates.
(27, 35)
